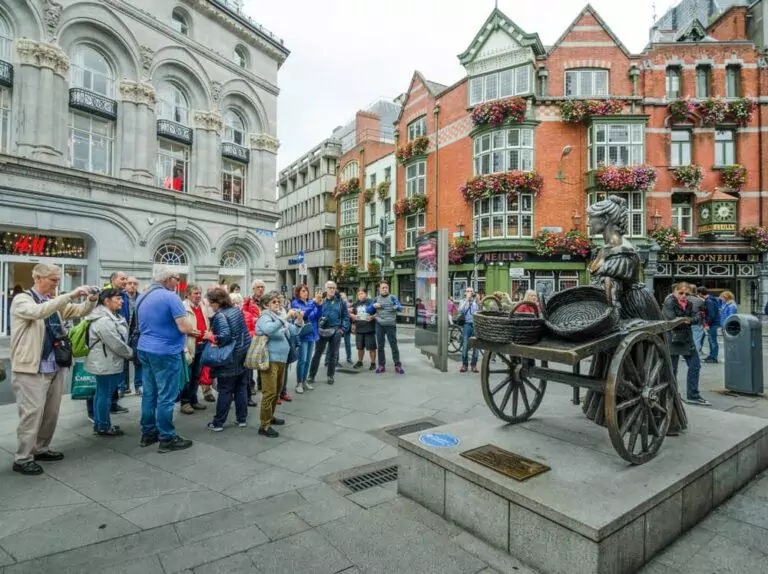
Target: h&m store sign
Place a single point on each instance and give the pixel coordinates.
(34, 245)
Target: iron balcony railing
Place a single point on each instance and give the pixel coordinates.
(93, 103)
(6, 74)
(173, 131)
(236, 152)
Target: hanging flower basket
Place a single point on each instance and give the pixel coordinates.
(506, 183)
(690, 176)
(368, 194)
(612, 178)
(680, 109)
(374, 267)
(758, 237)
(342, 271)
(350, 186)
(458, 250)
(713, 111)
(499, 112)
(741, 110)
(413, 148)
(410, 205)
(577, 111)
(575, 242)
(733, 177)
(667, 238)
(382, 190)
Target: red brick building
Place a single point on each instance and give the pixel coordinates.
(694, 99)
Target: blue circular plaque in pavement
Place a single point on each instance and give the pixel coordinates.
(439, 439)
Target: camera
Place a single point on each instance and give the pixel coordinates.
(94, 291)
(323, 322)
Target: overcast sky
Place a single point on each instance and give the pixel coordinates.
(347, 53)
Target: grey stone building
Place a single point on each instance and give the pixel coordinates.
(136, 133)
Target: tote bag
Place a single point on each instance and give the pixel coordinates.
(218, 356)
(258, 354)
(83, 382)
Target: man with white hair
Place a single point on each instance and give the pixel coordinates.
(332, 323)
(37, 376)
(163, 330)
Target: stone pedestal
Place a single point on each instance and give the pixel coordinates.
(592, 512)
(138, 139)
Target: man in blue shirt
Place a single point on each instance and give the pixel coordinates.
(163, 328)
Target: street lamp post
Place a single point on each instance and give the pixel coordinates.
(474, 272)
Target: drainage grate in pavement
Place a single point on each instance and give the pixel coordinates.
(410, 427)
(370, 479)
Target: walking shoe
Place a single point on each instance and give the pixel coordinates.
(118, 410)
(252, 403)
(309, 385)
(372, 367)
(242, 425)
(463, 369)
(29, 468)
(277, 421)
(299, 389)
(380, 369)
(111, 431)
(148, 440)
(330, 380)
(474, 369)
(287, 398)
(279, 401)
(199, 407)
(399, 369)
(270, 432)
(701, 401)
(187, 409)
(209, 397)
(711, 361)
(358, 365)
(49, 456)
(213, 427)
(176, 443)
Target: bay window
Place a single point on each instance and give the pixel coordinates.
(501, 217)
(682, 214)
(349, 211)
(348, 250)
(503, 151)
(416, 179)
(680, 152)
(413, 223)
(586, 83)
(615, 144)
(635, 202)
(504, 84)
(417, 129)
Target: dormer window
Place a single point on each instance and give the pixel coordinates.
(504, 84)
(586, 83)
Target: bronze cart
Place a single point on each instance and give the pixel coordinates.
(630, 378)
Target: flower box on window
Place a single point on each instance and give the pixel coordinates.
(410, 205)
(758, 237)
(383, 190)
(342, 271)
(413, 148)
(368, 194)
(507, 183)
(574, 242)
(680, 109)
(667, 238)
(612, 178)
(499, 112)
(348, 187)
(458, 250)
(690, 176)
(733, 177)
(713, 111)
(741, 110)
(577, 111)
(374, 267)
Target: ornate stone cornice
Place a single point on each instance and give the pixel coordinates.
(138, 93)
(42, 55)
(264, 142)
(210, 121)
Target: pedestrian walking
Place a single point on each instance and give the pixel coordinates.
(386, 307)
(39, 361)
(332, 322)
(467, 310)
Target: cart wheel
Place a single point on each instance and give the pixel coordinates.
(638, 397)
(507, 390)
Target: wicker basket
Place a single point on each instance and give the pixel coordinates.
(502, 327)
(580, 313)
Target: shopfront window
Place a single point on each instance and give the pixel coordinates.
(90, 143)
(503, 216)
(173, 255)
(232, 181)
(172, 165)
(519, 285)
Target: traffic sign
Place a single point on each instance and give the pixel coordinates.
(302, 268)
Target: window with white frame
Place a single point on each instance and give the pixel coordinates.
(172, 165)
(416, 179)
(6, 40)
(725, 147)
(413, 223)
(501, 216)
(90, 141)
(616, 144)
(373, 221)
(636, 204)
(586, 83)
(350, 171)
(567, 279)
(680, 148)
(682, 213)
(503, 150)
(417, 128)
(504, 84)
(89, 69)
(349, 211)
(232, 182)
(234, 128)
(349, 250)
(5, 120)
(173, 104)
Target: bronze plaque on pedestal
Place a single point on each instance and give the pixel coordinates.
(507, 463)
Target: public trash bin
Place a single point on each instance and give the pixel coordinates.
(743, 336)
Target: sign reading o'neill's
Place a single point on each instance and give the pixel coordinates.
(717, 215)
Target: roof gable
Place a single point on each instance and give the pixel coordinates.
(589, 11)
(694, 32)
(430, 88)
(498, 34)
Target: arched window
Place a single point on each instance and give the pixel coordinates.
(351, 170)
(6, 40)
(173, 104)
(241, 57)
(170, 254)
(234, 127)
(232, 260)
(89, 69)
(179, 22)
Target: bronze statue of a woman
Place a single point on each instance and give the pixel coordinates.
(616, 268)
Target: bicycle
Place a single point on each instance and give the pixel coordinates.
(454, 338)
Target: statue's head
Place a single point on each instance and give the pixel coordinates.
(612, 211)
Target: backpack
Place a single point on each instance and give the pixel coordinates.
(80, 336)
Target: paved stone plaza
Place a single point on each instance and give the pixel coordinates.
(237, 502)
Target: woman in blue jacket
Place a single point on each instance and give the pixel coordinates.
(310, 311)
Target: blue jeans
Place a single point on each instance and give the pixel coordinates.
(234, 387)
(348, 345)
(714, 348)
(468, 331)
(694, 367)
(390, 331)
(137, 379)
(102, 400)
(305, 358)
(189, 392)
(698, 336)
(161, 387)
